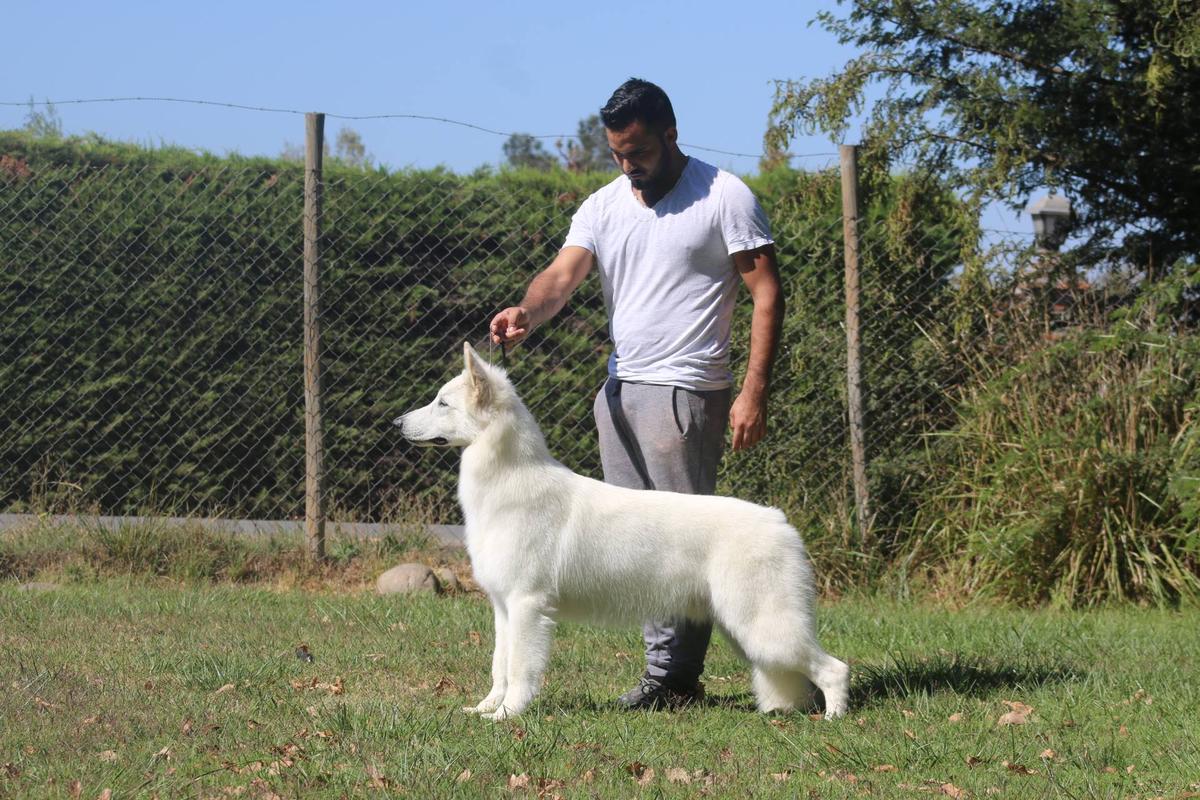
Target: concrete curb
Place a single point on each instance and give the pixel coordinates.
(445, 535)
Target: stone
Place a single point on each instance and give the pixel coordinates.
(407, 579)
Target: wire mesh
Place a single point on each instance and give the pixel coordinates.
(151, 354)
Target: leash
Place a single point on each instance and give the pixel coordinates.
(503, 351)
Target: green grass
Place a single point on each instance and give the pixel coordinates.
(153, 687)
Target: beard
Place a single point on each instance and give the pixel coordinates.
(654, 179)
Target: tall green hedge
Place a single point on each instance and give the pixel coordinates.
(150, 356)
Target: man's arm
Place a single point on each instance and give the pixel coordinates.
(545, 297)
(760, 272)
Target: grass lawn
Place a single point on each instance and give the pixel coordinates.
(142, 687)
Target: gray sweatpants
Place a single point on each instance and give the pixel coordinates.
(671, 439)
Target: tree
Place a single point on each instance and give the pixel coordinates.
(43, 124)
(523, 150)
(588, 151)
(1097, 98)
(350, 149)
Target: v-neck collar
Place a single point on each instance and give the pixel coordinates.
(653, 210)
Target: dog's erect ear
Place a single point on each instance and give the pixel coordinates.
(479, 389)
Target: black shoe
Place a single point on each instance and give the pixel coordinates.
(654, 694)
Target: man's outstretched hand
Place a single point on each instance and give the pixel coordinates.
(510, 326)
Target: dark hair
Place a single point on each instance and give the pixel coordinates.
(638, 100)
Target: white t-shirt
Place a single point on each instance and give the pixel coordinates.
(667, 273)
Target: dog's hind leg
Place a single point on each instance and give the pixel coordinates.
(781, 689)
(832, 677)
(499, 665)
(530, 630)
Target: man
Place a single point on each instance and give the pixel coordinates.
(671, 237)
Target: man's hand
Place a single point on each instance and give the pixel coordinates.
(748, 420)
(510, 326)
(545, 297)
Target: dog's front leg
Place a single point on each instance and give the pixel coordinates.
(530, 629)
(499, 664)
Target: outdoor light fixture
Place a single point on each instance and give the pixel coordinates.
(1051, 221)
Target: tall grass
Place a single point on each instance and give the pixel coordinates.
(1072, 476)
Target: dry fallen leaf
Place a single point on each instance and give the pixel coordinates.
(76, 789)
(1019, 769)
(518, 782)
(588, 776)
(950, 790)
(228, 687)
(885, 768)
(108, 756)
(955, 717)
(1047, 754)
(973, 761)
(105, 795)
(463, 776)
(640, 772)
(1013, 718)
(378, 780)
(781, 776)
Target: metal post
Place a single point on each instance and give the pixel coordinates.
(862, 500)
(314, 447)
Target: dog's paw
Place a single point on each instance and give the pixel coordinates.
(835, 712)
(499, 715)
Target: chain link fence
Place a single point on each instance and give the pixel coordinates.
(151, 349)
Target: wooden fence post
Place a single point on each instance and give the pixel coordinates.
(862, 499)
(314, 446)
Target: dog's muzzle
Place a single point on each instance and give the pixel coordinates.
(439, 441)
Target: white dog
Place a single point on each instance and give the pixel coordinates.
(547, 543)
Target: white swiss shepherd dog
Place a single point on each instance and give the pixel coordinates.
(547, 543)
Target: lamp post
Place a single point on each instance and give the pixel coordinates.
(1051, 221)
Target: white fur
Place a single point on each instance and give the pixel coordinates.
(547, 543)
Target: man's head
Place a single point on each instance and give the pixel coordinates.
(640, 125)
(637, 100)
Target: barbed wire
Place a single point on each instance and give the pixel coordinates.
(363, 117)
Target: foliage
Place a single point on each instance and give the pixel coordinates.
(525, 151)
(44, 124)
(350, 149)
(1073, 475)
(914, 238)
(588, 151)
(1095, 97)
(585, 152)
(154, 348)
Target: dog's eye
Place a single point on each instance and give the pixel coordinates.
(442, 402)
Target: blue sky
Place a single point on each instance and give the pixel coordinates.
(535, 67)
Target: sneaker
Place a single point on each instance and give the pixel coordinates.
(654, 694)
